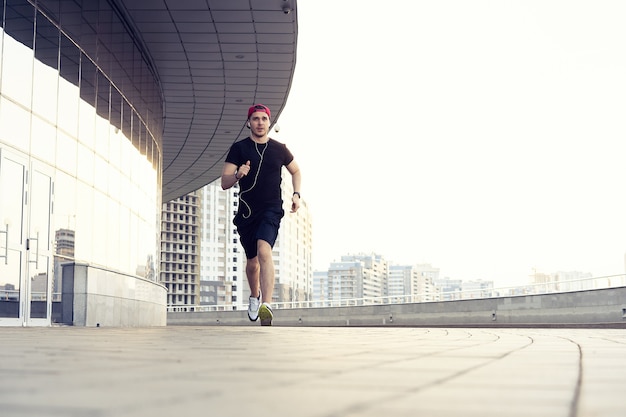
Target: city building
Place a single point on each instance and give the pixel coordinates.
(425, 284)
(449, 289)
(108, 109)
(360, 276)
(180, 250)
(477, 289)
(413, 283)
(344, 281)
(63, 251)
(542, 282)
(375, 274)
(401, 281)
(320, 286)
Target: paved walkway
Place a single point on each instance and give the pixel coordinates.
(316, 372)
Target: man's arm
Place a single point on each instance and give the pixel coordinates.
(296, 179)
(229, 173)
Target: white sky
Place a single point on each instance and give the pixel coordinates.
(486, 138)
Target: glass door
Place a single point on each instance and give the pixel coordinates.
(39, 247)
(12, 254)
(25, 242)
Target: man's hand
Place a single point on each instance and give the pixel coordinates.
(243, 170)
(295, 203)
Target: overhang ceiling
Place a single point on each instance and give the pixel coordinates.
(213, 59)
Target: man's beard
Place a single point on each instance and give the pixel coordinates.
(257, 134)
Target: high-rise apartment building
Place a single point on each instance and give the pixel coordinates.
(64, 242)
(320, 286)
(180, 249)
(401, 281)
(344, 280)
(449, 289)
(375, 273)
(357, 276)
(411, 283)
(424, 285)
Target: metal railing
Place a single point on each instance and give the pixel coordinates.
(583, 284)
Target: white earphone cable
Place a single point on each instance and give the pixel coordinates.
(256, 176)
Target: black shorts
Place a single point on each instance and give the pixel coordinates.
(262, 226)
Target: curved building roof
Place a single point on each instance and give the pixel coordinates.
(213, 59)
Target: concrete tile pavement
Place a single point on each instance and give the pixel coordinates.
(316, 372)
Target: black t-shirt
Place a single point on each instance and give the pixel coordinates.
(260, 189)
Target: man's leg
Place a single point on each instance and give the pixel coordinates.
(254, 303)
(252, 272)
(266, 276)
(266, 265)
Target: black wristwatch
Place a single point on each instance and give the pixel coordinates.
(296, 192)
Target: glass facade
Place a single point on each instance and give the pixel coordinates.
(80, 152)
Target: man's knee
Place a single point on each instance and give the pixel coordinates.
(252, 265)
(264, 250)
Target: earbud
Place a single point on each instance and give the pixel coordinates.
(248, 124)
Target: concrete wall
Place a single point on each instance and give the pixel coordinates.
(605, 307)
(98, 297)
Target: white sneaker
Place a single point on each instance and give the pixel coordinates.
(253, 308)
